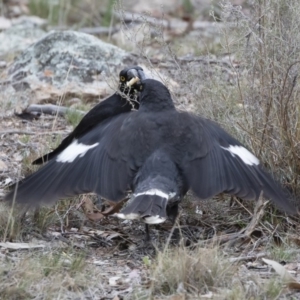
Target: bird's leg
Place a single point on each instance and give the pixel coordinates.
(147, 237)
(172, 213)
(146, 246)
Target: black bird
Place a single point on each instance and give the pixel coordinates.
(120, 102)
(157, 152)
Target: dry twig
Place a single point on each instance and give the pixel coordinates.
(16, 131)
(50, 109)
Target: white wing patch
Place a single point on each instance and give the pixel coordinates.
(74, 150)
(245, 155)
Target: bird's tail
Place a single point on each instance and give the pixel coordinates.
(158, 187)
(150, 206)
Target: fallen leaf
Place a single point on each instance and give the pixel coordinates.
(286, 277)
(294, 285)
(114, 207)
(90, 210)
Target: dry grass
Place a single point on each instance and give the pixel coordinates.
(62, 271)
(16, 225)
(77, 12)
(266, 86)
(49, 274)
(286, 253)
(10, 224)
(201, 273)
(192, 271)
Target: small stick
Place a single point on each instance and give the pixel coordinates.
(250, 257)
(50, 109)
(13, 131)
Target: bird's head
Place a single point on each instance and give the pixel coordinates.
(129, 77)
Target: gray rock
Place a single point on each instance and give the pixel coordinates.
(18, 37)
(65, 62)
(4, 23)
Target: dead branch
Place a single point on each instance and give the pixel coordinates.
(99, 30)
(50, 109)
(250, 257)
(257, 215)
(13, 131)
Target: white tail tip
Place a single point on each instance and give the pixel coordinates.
(149, 220)
(154, 219)
(128, 216)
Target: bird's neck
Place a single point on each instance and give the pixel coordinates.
(155, 102)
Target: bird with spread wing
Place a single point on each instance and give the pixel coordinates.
(157, 152)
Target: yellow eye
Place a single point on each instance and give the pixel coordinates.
(122, 78)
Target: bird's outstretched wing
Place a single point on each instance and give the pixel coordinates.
(228, 167)
(112, 106)
(97, 162)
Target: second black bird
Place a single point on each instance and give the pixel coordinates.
(120, 102)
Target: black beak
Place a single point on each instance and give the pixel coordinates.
(131, 74)
(136, 73)
(141, 75)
